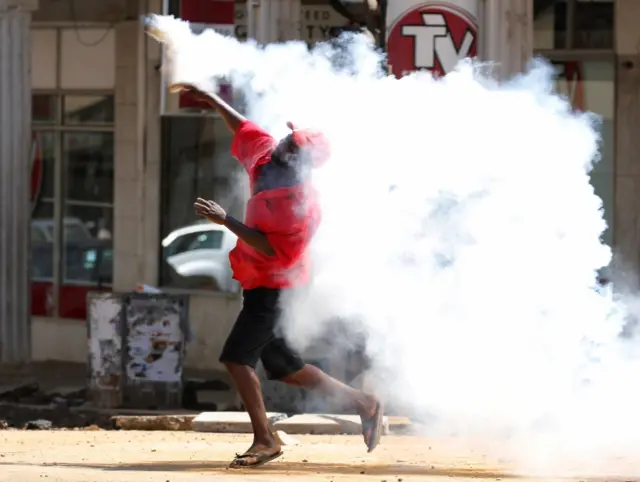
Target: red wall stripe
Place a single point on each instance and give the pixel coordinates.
(208, 11)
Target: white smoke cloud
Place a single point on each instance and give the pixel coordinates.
(461, 235)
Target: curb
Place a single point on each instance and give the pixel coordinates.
(182, 423)
(17, 415)
(239, 422)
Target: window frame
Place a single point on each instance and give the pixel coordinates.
(569, 52)
(57, 127)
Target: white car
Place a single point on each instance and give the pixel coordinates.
(201, 252)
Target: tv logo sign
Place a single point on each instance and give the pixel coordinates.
(433, 36)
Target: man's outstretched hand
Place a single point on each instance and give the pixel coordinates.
(210, 210)
(195, 92)
(182, 87)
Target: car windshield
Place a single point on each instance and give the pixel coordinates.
(75, 232)
(194, 241)
(38, 235)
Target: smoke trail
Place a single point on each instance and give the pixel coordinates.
(460, 234)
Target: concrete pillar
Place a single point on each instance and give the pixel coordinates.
(151, 85)
(137, 155)
(278, 21)
(289, 22)
(129, 165)
(506, 34)
(626, 235)
(15, 174)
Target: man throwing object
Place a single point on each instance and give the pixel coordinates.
(269, 259)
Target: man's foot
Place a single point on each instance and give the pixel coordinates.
(256, 456)
(371, 416)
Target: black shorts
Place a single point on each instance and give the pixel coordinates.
(253, 337)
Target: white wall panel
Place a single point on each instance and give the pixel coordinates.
(88, 59)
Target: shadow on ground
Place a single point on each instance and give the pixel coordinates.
(290, 468)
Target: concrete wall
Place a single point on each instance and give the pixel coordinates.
(58, 339)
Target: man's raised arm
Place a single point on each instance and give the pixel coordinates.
(231, 117)
(250, 142)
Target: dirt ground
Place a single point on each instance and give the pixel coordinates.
(96, 456)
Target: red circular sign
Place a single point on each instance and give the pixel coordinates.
(432, 36)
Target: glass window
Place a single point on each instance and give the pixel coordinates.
(83, 196)
(591, 23)
(88, 242)
(42, 238)
(196, 162)
(43, 108)
(42, 167)
(207, 240)
(88, 161)
(105, 265)
(594, 22)
(88, 109)
(544, 25)
(40, 235)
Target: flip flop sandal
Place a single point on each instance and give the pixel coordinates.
(261, 459)
(372, 428)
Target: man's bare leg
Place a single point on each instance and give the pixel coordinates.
(248, 385)
(312, 378)
(367, 406)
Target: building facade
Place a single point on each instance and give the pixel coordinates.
(98, 164)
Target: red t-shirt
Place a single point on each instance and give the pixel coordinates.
(288, 216)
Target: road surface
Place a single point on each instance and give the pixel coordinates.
(114, 456)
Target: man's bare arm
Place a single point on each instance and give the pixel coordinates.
(231, 117)
(213, 212)
(252, 237)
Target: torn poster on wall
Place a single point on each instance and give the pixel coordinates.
(105, 348)
(155, 338)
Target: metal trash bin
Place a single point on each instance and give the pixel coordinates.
(137, 345)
